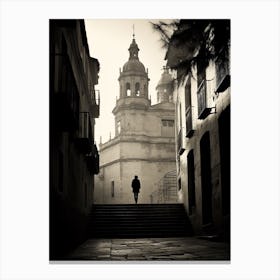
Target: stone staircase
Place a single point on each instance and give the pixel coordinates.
(139, 220)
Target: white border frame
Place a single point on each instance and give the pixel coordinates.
(24, 138)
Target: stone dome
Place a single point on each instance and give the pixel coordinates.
(134, 65)
(165, 79)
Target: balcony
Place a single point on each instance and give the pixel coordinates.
(222, 72)
(84, 141)
(94, 68)
(93, 160)
(94, 101)
(180, 148)
(189, 125)
(203, 109)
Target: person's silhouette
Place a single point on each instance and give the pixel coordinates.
(136, 187)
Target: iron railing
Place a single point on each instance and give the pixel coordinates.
(166, 191)
(94, 101)
(85, 136)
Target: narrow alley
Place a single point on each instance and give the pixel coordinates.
(159, 187)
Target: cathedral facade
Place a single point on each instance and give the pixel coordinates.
(144, 142)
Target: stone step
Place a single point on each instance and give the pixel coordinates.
(138, 206)
(141, 220)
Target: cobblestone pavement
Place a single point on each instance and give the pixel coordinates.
(151, 249)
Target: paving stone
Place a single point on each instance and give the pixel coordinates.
(166, 258)
(125, 252)
(104, 257)
(136, 258)
(188, 248)
(102, 251)
(181, 257)
(114, 248)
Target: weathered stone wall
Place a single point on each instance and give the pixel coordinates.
(219, 102)
(71, 180)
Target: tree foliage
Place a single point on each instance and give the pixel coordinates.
(187, 41)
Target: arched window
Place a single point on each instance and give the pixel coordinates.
(128, 91)
(118, 127)
(137, 89)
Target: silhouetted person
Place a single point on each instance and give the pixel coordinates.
(136, 187)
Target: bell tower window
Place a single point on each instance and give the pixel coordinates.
(137, 89)
(118, 127)
(167, 129)
(128, 91)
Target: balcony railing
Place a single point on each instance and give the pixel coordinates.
(189, 125)
(85, 138)
(203, 109)
(94, 69)
(95, 101)
(222, 73)
(180, 148)
(166, 191)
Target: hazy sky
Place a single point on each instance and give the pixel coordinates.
(109, 41)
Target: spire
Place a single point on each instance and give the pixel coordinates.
(133, 48)
(133, 31)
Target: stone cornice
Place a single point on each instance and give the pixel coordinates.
(139, 159)
(138, 139)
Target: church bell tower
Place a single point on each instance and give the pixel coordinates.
(133, 95)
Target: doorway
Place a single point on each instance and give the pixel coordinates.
(191, 182)
(224, 137)
(206, 180)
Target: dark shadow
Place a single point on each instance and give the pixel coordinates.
(206, 179)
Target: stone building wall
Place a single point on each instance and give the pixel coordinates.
(219, 102)
(141, 150)
(73, 161)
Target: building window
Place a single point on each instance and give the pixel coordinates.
(188, 109)
(180, 148)
(118, 127)
(137, 89)
(167, 128)
(202, 102)
(168, 123)
(179, 184)
(113, 189)
(128, 91)
(222, 71)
